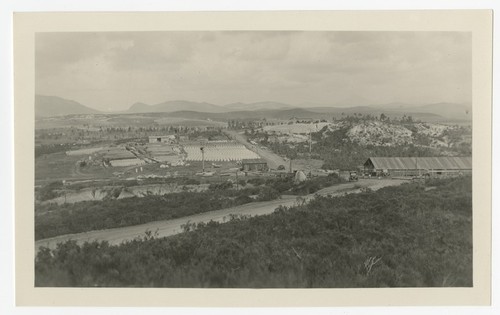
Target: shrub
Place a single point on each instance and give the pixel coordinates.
(396, 237)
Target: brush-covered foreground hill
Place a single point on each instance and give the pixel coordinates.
(406, 236)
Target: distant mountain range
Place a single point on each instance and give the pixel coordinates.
(174, 106)
(257, 106)
(46, 106)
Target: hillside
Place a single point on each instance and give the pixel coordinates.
(174, 106)
(312, 113)
(407, 236)
(48, 106)
(345, 144)
(257, 106)
(391, 112)
(449, 110)
(284, 114)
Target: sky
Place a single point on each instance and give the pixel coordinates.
(112, 70)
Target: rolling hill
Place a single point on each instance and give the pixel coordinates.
(180, 105)
(257, 106)
(174, 106)
(391, 112)
(449, 110)
(256, 114)
(47, 106)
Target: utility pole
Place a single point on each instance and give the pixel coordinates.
(416, 166)
(310, 143)
(237, 184)
(203, 159)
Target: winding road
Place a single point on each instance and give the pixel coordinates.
(170, 227)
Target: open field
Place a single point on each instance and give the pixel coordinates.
(97, 120)
(86, 151)
(59, 166)
(56, 166)
(92, 121)
(229, 151)
(174, 121)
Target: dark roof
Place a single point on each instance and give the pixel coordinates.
(253, 161)
(429, 163)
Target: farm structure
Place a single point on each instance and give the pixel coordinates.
(219, 151)
(161, 152)
(119, 156)
(249, 165)
(414, 166)
(162, 139)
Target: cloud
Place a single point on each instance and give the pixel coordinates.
(152, 50)
(117, 69)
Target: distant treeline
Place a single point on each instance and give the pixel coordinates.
(406, 236)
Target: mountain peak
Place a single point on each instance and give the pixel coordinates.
(47, 106)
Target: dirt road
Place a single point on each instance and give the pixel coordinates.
(171, 227)
(272, 159)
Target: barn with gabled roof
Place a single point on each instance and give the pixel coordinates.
(412, 166)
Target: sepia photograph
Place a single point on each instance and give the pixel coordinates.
(274, 158)
(253, 159)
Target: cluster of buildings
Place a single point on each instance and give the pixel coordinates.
(374, 166)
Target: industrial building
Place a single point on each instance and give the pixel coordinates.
(416, 166)
(254, 165)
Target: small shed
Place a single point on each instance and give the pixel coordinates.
(249, 165)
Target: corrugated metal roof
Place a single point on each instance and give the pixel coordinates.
(253, 161)
(428, 163)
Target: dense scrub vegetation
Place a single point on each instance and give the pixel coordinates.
(52, 219)
(49, 191)
(406, 236)
(341, 150)
(338, 152)
(84, 216)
